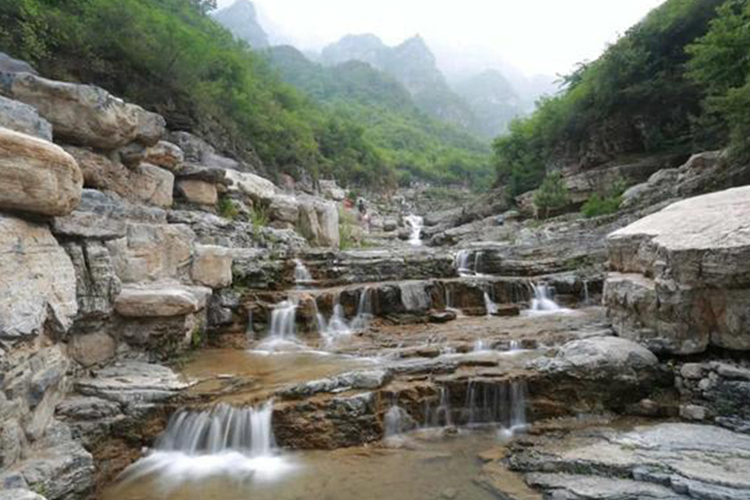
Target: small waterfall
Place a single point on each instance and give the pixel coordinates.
(498, 403)
(586, 299)
(480, 346)
(462, 263)
(543, 301)
(397, 421)
(364, 311)
(490, 305)
(515, 345)
(250, 329)
(284, 321)
(337, 326)
(222, 429)
(302, 275)
(415, 223)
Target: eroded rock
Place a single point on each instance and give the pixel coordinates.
(23, 118)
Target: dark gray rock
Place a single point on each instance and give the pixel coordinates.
(23, 118)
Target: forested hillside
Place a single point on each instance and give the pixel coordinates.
(171, 57)
(417, 145)
(677, 81)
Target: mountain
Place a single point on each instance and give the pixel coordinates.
(419, 146)
(492, 99)
(241, 19)
(414, 65)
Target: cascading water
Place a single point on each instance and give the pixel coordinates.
(543, 302)
(284, 321)
(364, 311)
(337, 326)
(498, 403)
(221, 441)
(415, 223)
(462, 263)
(489, 305)
(397, 421)
(302, 275)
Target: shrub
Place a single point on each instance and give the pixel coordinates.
(605, 204)
(227, 208)
(552, 194)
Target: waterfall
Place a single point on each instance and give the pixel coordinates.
(250, 329)
(397, 421)
(490, 305)
(586, 299)
(284, 321)
(415, 223)
(302, 275)
(487, 402)
(515, 345)
(337, 326)
(462, 263)
(221, 429)
(480, 345)
(364, 311)
(543, 301)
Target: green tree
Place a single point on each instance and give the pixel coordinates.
(552, 195)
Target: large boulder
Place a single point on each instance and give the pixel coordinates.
(166, 155)
(251, 185)
(681, 277)
(161, 301)
(141, 184)
(318, 221)
(212, 266)
(198, 151)
(39, 290)
(153, 252)
(24, 118)
(198, 192)
(37, 176)
(84, 114)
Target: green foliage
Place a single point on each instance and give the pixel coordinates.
(720, 64)
(260, 217)
(636, 94)
(407, 144)
(170, 57)
(347, 230)
(605, 203)
(552, 194)
(227, 208)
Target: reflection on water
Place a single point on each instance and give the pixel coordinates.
(426, 465)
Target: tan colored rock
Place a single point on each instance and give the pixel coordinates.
(198, 192)
(37, 281)
(284, 211)
(84, 114)
(166, 155)
(212, 266)
(681, 277)
(142, 184)
(37, 176)
(153, 252)
(161, 301)
(318, 221)
(254, 186)
(92, 349)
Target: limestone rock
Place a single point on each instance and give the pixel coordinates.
(24, 118)
(104, 216)
(39, 281)
(681, 276)
(84, 114)
(37, 176)
(330, 190)
(11, 65)
(367, 379)
(152, 252)
(161, 301)
(319, 222)
(251, 185)
(165, 155)
(198, 192)
(133, 383)
(284, 211)
(212, 266)
(19, 494)
(143, 184)
(198, 151)
(97, 283)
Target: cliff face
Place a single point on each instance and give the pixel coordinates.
(413, 65)
(241, 19)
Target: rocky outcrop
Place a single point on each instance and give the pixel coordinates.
(37, 176)
(681, 277)
(663, 461)
(160, 301)
(24, 118)
(212, 266)
(39, 291)
(84, 114)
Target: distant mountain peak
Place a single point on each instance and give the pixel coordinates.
(241, 18)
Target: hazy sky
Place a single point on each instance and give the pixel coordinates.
(537, 36)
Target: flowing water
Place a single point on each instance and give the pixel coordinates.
(543, 301)
(284, 321)
(302, 276)
(415, 223)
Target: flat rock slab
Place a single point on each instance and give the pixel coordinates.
(133, 382)
(161, 301)
(681, 279)
(668, 460)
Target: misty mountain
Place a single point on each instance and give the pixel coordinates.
(492, 99)
(241, 19)
(414, 65)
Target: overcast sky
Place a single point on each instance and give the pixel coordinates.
(537, 36)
